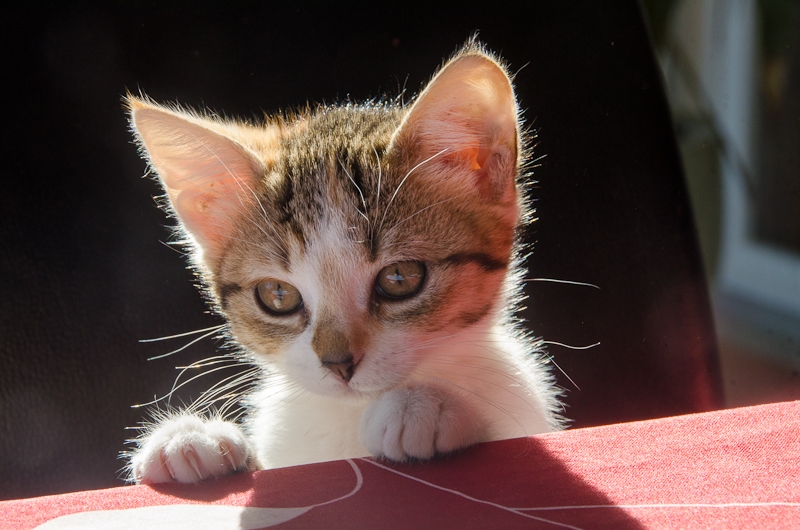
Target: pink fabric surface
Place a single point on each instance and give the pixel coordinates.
(735, 468)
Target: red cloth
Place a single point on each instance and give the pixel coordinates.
(728, 469)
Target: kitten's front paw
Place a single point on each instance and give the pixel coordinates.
(419, 421)
(186, 449)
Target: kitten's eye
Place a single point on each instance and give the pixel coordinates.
(400, 280)
(278, 297)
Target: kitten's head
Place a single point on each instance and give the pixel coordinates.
(343, 244)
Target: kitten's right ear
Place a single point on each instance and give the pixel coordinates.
(209, 178)
(463, 127)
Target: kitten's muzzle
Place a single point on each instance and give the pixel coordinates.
(343, 367)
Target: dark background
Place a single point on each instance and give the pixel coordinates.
(85, 273)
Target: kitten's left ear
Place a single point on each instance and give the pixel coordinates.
(465, 122)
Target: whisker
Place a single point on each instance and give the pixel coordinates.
(222, 390)
(551, 360)
(210, 361)
(554, 343)
(553, 280)
(386, 211)
(198, 339)
(430, 206)
(358, 188)
(186, 334)
(176, 385)
(296, 391)
(378, 197)
(171, 246)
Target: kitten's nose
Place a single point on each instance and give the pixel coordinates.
(343, 367)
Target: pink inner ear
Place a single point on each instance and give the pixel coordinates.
(194, 207)
(475, 156)
(469, 112)
(492, 167)
(209, 177)
(210, 208)
(486, 165)
(207, 202)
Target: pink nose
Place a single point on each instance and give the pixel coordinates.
(344, 368)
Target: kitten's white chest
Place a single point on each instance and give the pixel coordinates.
(287, 429)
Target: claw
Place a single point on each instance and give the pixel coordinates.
(191, 457)
(226, 452)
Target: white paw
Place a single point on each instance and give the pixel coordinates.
(419, 421)
(188, 449)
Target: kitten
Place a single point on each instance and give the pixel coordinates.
(365, 259)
